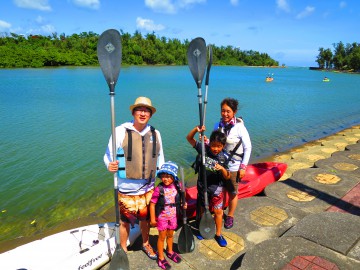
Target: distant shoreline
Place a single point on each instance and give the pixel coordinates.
(351, 71)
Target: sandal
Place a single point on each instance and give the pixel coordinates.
(229, 222)
(163, 264)
(173, 256)
(149, 252)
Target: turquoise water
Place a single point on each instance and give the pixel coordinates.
(55, 125)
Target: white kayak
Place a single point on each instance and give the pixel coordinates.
(88, 247)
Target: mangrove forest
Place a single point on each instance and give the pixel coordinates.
(35, 51)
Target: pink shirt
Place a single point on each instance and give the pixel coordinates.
(169, 194)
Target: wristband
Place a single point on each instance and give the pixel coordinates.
(243, 167)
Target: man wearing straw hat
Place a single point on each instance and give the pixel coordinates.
(140, 153)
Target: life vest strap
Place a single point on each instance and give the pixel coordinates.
(129, 156)
(154, 140)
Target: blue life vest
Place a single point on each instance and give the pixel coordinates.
(120, 156)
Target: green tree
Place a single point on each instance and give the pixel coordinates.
(344, 57)
(81, 50)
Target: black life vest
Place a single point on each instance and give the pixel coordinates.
(160, 205)
(223, 158)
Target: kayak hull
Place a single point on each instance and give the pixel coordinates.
(258, 176)
(87, 247)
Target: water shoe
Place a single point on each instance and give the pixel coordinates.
(221, 240)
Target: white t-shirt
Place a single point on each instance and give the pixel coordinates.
(132, 186)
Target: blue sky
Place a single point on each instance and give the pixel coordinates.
(290, 31)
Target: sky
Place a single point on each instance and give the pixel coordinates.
(289, 31)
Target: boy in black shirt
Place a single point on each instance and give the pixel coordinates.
(216, 172)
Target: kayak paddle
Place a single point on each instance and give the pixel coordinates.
(207, 81)
(196, 55)
(186, 241)
(109, 52)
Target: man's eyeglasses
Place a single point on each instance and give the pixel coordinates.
(146, 111)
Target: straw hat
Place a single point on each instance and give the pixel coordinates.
(143, 102)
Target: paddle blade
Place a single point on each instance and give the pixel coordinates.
(196, 56)
(209, 65)
(119, 260)
(109, 52)
(186, 242)
(207, 226)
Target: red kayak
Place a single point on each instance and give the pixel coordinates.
(258, 176)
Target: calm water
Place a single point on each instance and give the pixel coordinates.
(55, 125)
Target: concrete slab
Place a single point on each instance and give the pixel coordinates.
(311, 156)
(348, 155)
(335, 184)
(340, 143)
(350, 203)
(353, 147)
(277, 254)
(308, 195)
(340, 163)
(355, 251)
(294, 165)
(262, 218)
(328, 230)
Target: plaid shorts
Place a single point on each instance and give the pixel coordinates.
(215, 201)
(133, 207)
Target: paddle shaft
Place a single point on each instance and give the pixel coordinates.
(203, 175)
(186, 238)
(205, 103)
(183, 194)
(201, 118)
(113, 136)
(196, 55)
(119, 260)
(109, 53)
(207, 81)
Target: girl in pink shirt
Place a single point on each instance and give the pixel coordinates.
(164, 210)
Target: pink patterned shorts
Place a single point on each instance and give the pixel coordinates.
(167, 224)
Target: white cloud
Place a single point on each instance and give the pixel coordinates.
(39, 19)
(307, 12)
(148, 25)
(93, 4)
(186, 3)
(343, 4)
(170, 6)
(4, 25)
(33, 4)
(234, 2)
(283, 5)
(163, 6)
(48, 28)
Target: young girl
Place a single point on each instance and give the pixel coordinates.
(165, 210)
(216, 173)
